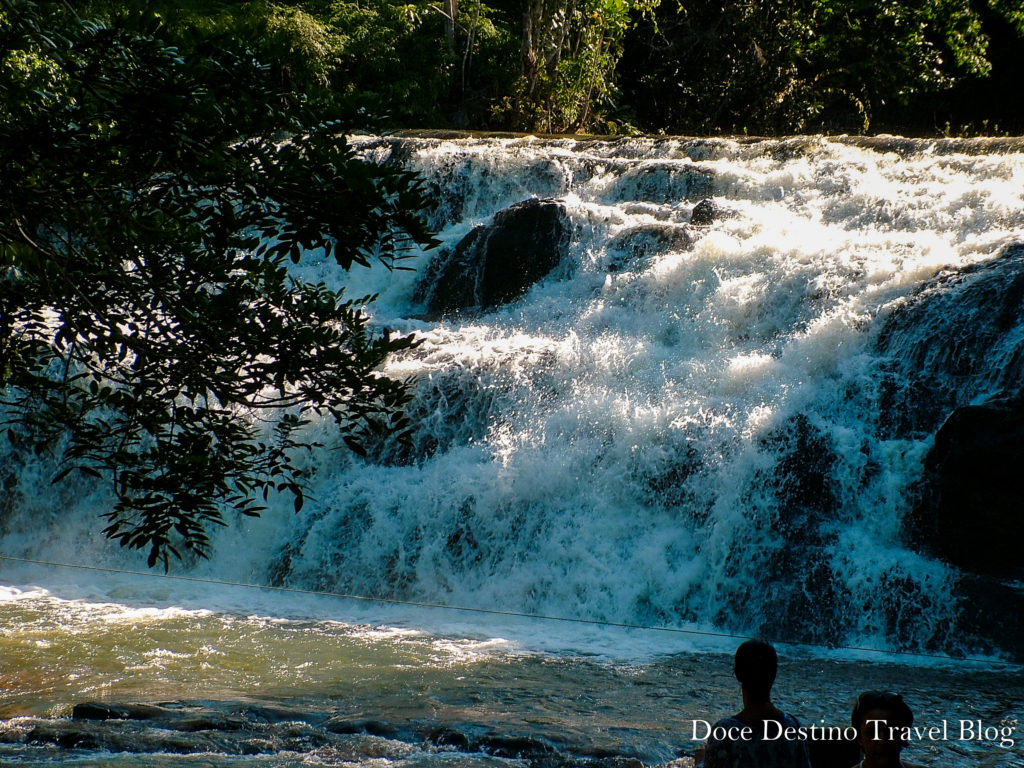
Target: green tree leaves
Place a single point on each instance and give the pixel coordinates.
(150, 331)
(570, 49)
(801, 66)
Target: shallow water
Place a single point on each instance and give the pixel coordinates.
(288, 689)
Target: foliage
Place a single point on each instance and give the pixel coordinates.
(417, 65)
(875, 53)
(606, 65)
(570, 51)
(392, 59)
(704, 67)
(833, 65)
(545, 65)
(297, 49)
(150, 331)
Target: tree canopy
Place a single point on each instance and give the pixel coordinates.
(813, 65)
(150, 330)
(614, 66)
(678, 66)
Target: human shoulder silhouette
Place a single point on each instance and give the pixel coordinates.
(751, 739)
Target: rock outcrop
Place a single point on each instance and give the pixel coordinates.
(497, 263)
(955, 341)
(971, 512)
(704, 213)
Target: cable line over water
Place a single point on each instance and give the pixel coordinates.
(493, 611)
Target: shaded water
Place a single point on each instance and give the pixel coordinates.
(688, 427)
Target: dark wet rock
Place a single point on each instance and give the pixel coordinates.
(196, 728)
(171, 717)
(635, 243)
(448, 738)
(970, 513)
(612, 762)
(798, 580)
(497, 263)
(274, 714)
(346, 726)
(93, 710)
(147, 711)
(955, 340)
(68, 737)
(992, 615)
(910, 612)
(906, 147)
(663, 182)
(792, 148)
(802, 477)
(516, 747)
(208, 721)
(704, 213)
(122, 736)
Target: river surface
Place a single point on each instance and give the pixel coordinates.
(690, 429)
(269, 680)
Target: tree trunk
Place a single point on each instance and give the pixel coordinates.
(531, 21)
(451, 8)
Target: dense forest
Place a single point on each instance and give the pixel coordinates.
(920, 67)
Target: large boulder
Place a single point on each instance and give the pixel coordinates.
(971, 512)
(497, 263)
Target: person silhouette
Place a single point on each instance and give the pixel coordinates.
(758, 724)
(879, 716)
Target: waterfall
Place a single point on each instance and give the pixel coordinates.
(706, 404)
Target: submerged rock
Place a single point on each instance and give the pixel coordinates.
(516, 747)
(446, 738)
(342, 725)
(633, 244)
(663, 181)
(498, 262)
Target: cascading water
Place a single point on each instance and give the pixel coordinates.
(685, 414)
(680, 424)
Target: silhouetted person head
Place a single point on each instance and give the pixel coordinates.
(755, 667)
(879, 717)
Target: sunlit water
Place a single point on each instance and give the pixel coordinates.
(627, 444)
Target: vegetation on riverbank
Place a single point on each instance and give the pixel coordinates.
(913, 67)
(151, 333)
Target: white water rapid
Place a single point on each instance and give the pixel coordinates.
(680, 425)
